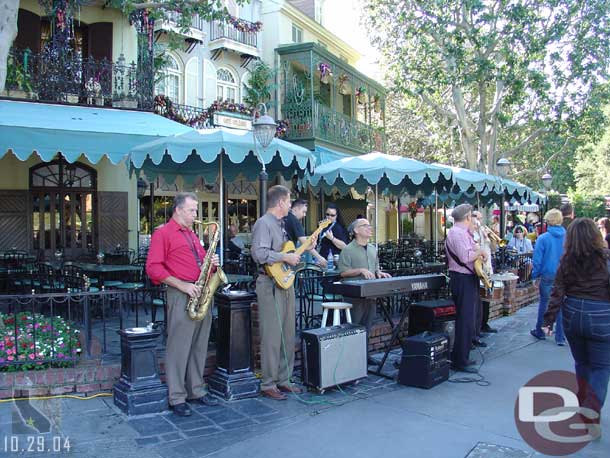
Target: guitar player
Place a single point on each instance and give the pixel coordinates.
(296, 232)
(276, 306)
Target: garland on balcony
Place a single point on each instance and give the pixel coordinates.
(282, 128)
(245, 26)
(164, 106)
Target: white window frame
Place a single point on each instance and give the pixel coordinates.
(224, 87)
(172, 72)
(296, 30)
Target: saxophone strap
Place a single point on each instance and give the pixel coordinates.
(191, 245)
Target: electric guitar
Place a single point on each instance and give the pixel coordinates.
(284, 274)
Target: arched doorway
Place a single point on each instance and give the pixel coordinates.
(64, 208)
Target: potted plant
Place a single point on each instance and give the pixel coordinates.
(361, 95)
(325, 72)
(18, 81)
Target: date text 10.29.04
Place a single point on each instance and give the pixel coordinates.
(35, 444)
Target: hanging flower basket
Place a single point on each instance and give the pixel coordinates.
(377, 104)
(343, 87)
(361, 95)
(413, 209)
(325, 72)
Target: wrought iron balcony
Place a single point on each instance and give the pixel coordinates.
(70, 78)
(222, 30)
(189, 115)
(317, 121)
(196, 22)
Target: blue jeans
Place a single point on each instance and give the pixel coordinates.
(545, 288)
(587, 325)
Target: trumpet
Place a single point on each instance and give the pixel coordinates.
(494, 237)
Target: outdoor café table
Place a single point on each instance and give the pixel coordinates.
(103, 271)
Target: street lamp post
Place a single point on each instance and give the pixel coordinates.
(502, 165)
(264, 131)
(140, 191)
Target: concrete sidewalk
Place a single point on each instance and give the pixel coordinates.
(376, 416)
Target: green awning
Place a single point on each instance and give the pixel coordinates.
(95, 132)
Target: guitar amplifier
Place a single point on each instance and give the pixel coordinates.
(334, 355)
(437, 315)
(425, 360)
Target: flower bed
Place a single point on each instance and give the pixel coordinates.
(36, 342)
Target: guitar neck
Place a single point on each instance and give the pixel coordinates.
(300, 250)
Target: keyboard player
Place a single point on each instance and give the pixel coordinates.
(359, 261)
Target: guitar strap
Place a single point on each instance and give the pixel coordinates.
(457, 260)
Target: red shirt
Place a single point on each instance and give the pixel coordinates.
(171, 253)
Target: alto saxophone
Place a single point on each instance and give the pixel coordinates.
(209, 281)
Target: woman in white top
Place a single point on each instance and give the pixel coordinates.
(520, 243)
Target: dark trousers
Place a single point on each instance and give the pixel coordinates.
(587, 327)
(465, 295)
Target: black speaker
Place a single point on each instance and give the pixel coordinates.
(425, 360)
(334, 355)
(437, 315)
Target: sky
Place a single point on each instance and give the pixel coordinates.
(342, 17)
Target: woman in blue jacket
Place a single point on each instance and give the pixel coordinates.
(547, 253)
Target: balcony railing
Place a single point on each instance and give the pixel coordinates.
(196, 22)
(220, 30)
(319, 121)
(71, 78)
(195, 117)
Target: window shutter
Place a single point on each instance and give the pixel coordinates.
(209, 83)
(192, 86)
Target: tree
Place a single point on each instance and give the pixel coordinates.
(158, 10)
(8, 32)
(592, 169)
(501, 74)
(260, 85)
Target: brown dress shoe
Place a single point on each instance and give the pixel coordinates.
(290, 389)
(274, 393)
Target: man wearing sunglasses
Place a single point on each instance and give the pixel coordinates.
(334, 238)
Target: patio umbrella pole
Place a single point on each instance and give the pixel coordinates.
(436, 224)
(376, 217)
(221, 210)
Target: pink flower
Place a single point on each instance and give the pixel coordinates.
(32, 356)
(9, 351)
(37, 326)
(10, 358)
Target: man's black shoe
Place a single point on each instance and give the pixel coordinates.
(479, 343)
(206, 400)
(182, 410)
(470, 370)
(487, 328)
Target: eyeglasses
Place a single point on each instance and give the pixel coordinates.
(331, 215)
(364, 225)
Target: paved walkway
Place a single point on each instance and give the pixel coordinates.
(376, 416)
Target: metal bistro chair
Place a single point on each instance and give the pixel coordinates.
(309, 292)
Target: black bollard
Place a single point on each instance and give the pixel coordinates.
(139, 389)
(233, 378)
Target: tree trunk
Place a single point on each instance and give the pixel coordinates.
(8, 33)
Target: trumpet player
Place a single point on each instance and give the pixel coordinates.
(174, 258)
(487, 240)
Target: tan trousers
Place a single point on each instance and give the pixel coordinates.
(277, 354)
(186, 349)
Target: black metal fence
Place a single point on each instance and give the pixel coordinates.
(71, 78)
(61, 328)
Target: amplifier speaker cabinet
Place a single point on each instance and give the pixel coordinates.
(437, 315)
(334, 355)
(425, 360)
